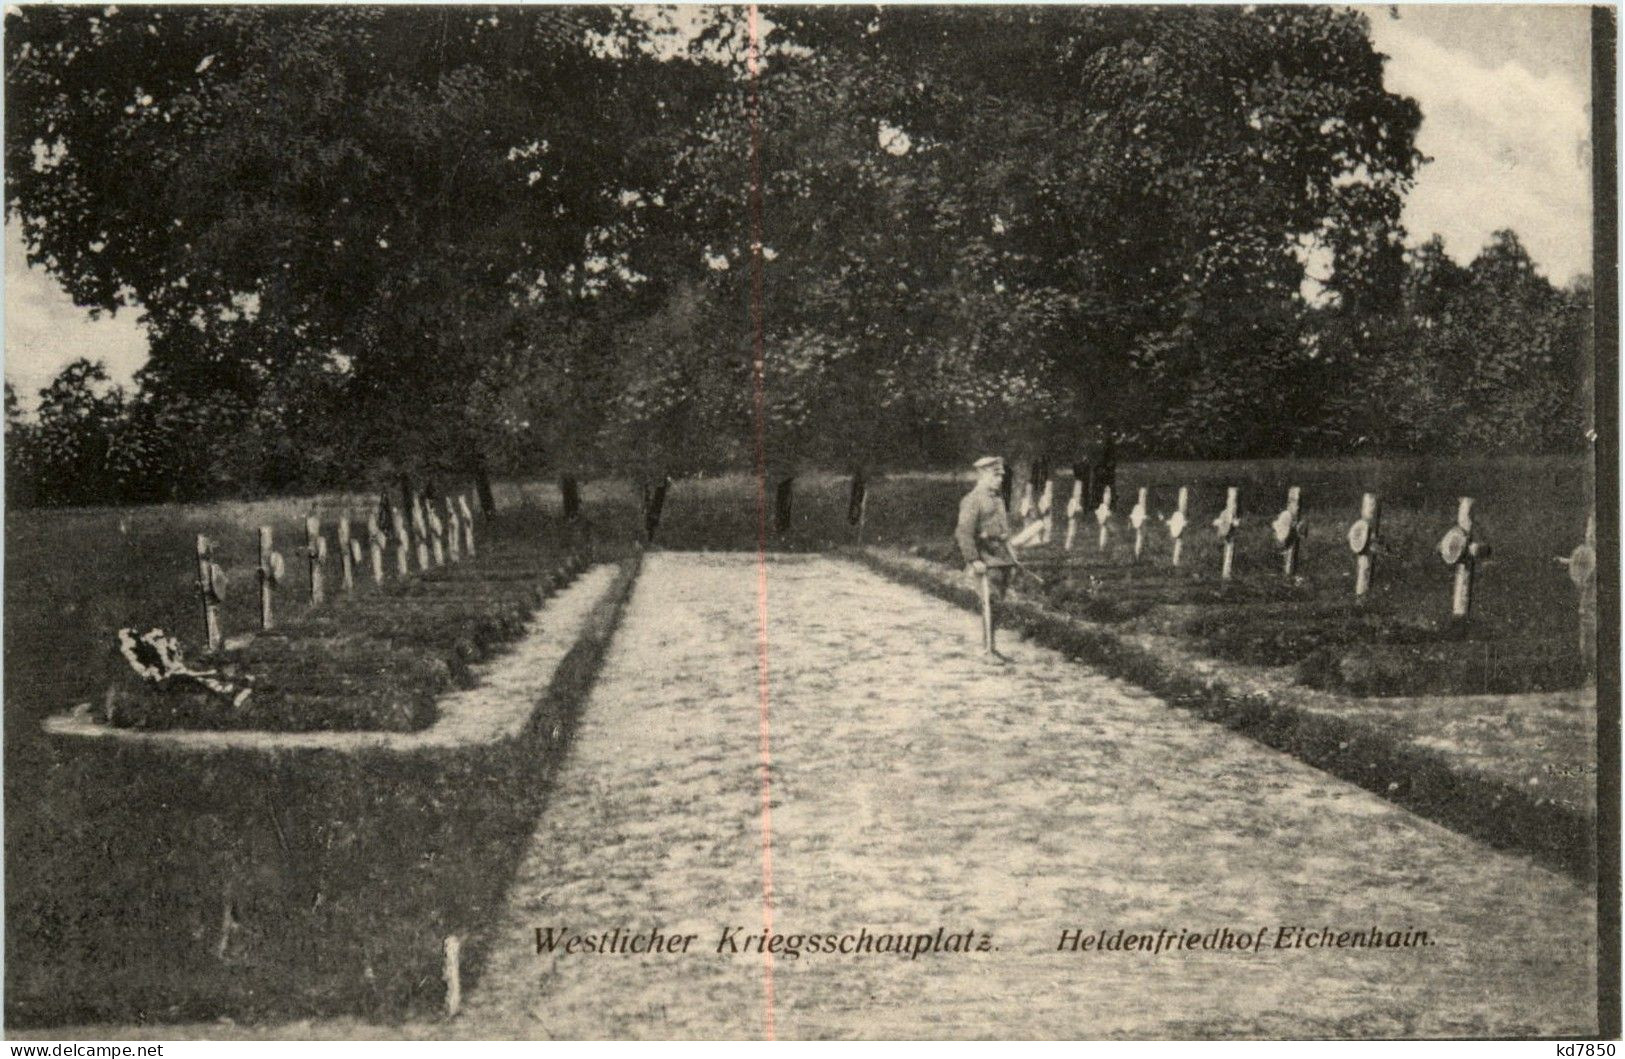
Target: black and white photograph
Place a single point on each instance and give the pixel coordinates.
(811, 522)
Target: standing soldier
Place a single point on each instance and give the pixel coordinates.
(982, 535)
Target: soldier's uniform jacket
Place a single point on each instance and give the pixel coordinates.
(983, 528)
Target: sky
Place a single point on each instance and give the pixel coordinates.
(1504, 92)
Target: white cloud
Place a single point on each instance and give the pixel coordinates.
(1510, 149)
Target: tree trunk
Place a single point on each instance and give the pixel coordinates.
(482, 486)
(570, 490)
(1084, 471)
(654, 500)
(855, 497)
(405, 482)
(1040, 474)
(781, 504)
(1007, 485)
(1107, 473)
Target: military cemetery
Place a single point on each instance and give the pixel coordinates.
(799, 523)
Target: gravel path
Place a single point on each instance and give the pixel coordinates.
(916, 787)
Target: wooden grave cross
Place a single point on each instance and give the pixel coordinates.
(1582, 564)
(1177, 522)
(1363, 542)
(375, 546)
(468, 524)
(316, 550)
(1226, 524)
(271, 572)
(403, 541)
(347, 555)
(437, 533)
(1460, 548)
(420, 530)
(1288, 529)
(211, 581)
(1136, 518)
(1074, 508)
(454, 532)
(1103, 515)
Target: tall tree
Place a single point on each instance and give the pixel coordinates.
(379, 190)
(1099, 215)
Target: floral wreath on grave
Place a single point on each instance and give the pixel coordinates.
(155, 657)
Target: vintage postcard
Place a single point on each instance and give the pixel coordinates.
(811, 522)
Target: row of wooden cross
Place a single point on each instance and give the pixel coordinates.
(1461, 547)
(434, 534)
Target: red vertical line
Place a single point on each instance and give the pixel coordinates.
(758, 377)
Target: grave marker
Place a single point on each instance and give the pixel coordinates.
(1363, 542)
(1460, 549)
(316, 550)
(437, 533)
(375, 545)
(211, 581)
(420, 531)
(1582, 564)
(468, 523)
(271, 572)
(347, 555)
(1288, 528)
(1074, 508)
(1177, 522)
(403, 541)
(454, 532)
(1136, 518)
(1226, 524)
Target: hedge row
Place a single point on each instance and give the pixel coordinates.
(285, 884)
(1426, 782)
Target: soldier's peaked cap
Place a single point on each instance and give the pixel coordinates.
(988, 461)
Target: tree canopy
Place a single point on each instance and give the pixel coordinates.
(557, 238)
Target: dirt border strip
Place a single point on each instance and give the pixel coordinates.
(1498, 813)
